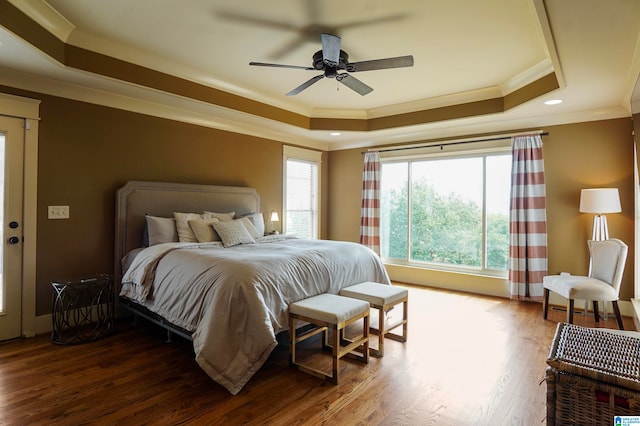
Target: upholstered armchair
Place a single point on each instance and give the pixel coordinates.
(608, 258)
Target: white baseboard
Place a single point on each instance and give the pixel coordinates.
(43, 325)
(635, 304)
(626, 307)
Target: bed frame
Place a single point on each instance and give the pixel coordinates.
(137, 198)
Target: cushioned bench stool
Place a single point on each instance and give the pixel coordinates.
(329, 312)
(382, 297)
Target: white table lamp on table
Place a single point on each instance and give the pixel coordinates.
(274, 220)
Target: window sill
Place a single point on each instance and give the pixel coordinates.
(450, 280)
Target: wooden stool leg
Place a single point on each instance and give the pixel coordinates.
(596, 314)
(405, 319)
(365, 333)
(570, 311)
(292, 341)
(334, 354)
(381, 330)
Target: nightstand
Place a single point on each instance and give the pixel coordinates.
(82, 308)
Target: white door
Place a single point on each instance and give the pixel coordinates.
(11, 202)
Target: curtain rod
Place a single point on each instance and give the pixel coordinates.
(455, 142)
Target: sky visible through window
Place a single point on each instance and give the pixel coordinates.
(459, 176)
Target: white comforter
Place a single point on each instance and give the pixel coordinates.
(235, 300)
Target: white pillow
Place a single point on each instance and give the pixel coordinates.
(233, 233)
(223, 217)
(161, 230)
(185, 234)
(258, 221)
(203, 230)
(253, 231)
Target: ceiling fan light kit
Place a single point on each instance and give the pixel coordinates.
(331, 59)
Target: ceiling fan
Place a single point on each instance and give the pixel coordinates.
(332, 59)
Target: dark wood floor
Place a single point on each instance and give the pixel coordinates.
(470, 360)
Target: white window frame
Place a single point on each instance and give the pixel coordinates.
(307, 155)
(444, 152)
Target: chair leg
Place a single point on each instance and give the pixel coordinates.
(596, 314)
(570, 311)
(545, 304)
(616, 310)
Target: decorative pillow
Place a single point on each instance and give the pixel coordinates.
(223, 217)
(250, 227)
(233, 233)
(203, 230)
(161, 230)
(185, 234)
(258, 221)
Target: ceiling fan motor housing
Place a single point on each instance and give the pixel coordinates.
(319, 64)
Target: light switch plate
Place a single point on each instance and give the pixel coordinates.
(58, 212)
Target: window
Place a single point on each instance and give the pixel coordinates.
(449, 212)
(301, 189)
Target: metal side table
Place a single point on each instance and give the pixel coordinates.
(82, 309)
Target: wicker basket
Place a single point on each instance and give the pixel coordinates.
(593, 376)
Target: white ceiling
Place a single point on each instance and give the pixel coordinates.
(464, 50)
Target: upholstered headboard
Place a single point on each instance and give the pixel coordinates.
(137, 198)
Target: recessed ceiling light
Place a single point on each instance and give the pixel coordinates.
(335, 134)
(553, 102)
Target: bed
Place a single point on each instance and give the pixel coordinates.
(230, 301)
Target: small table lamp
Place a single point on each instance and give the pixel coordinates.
(274, 219)
(600, 201)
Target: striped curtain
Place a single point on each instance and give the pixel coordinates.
(528, 217)
(370, 207)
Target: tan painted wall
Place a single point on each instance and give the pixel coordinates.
(583, 155)
(86, 152)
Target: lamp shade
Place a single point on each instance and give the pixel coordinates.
(275, 217)
(600, 200)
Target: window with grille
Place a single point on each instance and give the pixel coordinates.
(448, 212)
(301, 192)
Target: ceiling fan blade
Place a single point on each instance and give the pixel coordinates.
(374, 21)
(305, 85)
(330, 49)
(354, 84)
(254, 20)
(380, 64)
(264, 64)
(287, 48)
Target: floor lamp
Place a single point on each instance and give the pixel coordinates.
(599, 201)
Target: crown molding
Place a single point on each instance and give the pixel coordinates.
(156, 103)
(45, 15)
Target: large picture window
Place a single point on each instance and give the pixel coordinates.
(302, 188)
(448, 212)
